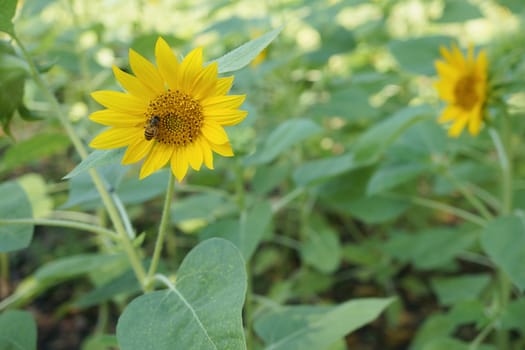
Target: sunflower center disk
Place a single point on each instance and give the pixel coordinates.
(180, 117)
(465, 92)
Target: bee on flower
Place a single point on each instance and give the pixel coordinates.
(174, 112)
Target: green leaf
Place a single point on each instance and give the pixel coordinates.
(431, 248)
(34, 149)
(247, 232)
(14, 237)
(7, 12)
(503, 239)
(321, 249)
(515, 6)
(125, 284)
(17, 330)
(287, 134)
(100, 342)
(316, 327)
(202, 311)
(73, 266)
(205, 206)
(418, 55)
(244, 54)
(514, 314)
(320, 169)
(375, 141)
(459, 11)
(97, 158)
(13, 72)
(466, 287)
(393, 175)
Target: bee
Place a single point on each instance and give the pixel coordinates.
(152, 127)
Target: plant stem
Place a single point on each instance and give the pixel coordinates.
(465, 215)
(162, 232)
(504, 150)
(63, 223)
(97, 179)
(473, 200)
(4, 275)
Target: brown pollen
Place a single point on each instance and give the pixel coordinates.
(181, 118)
(465, 92)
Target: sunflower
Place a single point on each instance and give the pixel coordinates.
(172, 112)
(463, 85)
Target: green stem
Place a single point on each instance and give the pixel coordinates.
(4, 275)
(504, 156)
(504, 150)
(97, 179)
(473, 200)
(465, 215)
(162, 232)
(62, 223)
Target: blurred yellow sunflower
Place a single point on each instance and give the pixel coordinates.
(172, 112)
(463, 85)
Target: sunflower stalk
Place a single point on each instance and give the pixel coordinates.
(503, 146)
(95, 176)
(159, 243)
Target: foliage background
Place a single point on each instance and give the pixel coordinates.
(345, 178)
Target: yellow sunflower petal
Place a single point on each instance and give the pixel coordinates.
(458, 126)
(445, 90)
(157, 158)
(459, 60)
(206, 81)
(120, 101)
(112, 118)
(448, 114)
(446, 54)
(137, 150)
(190, 68)
(226, 117)
(132, 85)
(223, 86)
(445, 71)
(167, 63)
(179, 164)
(206, 152)
(146, 72)
(115, 138)
(223, 102)
(474, 122)
(214, 132)
(194, 156)
(224, 150)
(481, 63)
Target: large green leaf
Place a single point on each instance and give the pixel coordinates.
(287, 134)
(466, 287)
(319, 169)
(244, 54)
(97, 158)
(373, 143)
(418, 55)
(202, 311)
(246, 232)
(17, 331)
(321, 248)
(316, 327)
(14, 237)
(504, 241)
(459, 11)
(34, 149)
(390, 176)
(7, 12)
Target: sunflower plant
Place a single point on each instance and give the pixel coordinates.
(357, 184)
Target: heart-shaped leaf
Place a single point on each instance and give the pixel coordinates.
(201, 311)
